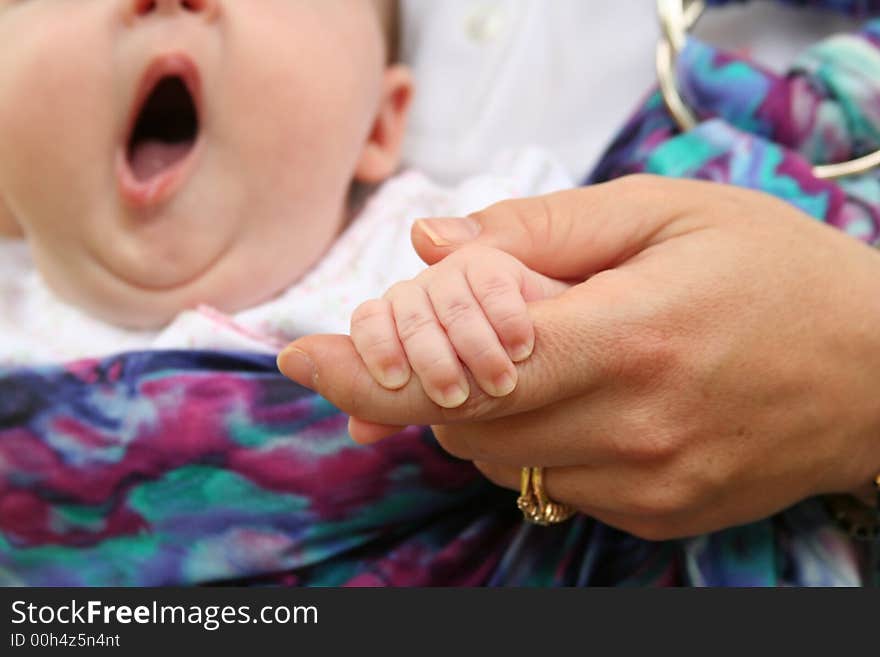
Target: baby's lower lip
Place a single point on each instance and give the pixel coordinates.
(158, 188)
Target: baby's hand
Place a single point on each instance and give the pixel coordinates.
(470, 309)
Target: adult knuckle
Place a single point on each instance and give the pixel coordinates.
(640, 352)
(653, 351)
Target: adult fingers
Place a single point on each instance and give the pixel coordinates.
(570, 234)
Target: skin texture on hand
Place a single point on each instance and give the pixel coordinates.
(716, 364)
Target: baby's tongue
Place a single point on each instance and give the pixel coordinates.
(151, 157)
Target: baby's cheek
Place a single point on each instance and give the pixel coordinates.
(56, 131)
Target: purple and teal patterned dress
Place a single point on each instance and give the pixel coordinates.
(185, 468)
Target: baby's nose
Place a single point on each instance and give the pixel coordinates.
(146, 7)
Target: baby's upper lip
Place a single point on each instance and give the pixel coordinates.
(145, 193)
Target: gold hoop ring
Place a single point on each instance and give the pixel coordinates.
(536, 505)
(677, 18)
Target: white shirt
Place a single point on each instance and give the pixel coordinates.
(561, 74)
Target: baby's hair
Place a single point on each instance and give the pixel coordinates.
(388, 16)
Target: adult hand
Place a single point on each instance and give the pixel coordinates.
(718, 364)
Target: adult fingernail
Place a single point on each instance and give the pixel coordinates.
(298, 365)
(395, 377)
(454, 396)
(450, 232)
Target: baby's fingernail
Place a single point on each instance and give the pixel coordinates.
(521, 352)
(394, 377)
(450, 232)
(297, 365)
(454, 396)
(504, 385)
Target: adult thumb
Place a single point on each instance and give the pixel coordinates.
(567, 235)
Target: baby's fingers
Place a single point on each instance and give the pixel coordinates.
(501, 298)
(374, 335)
(430, 354)
(471, 333)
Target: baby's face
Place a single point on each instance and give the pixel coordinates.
(164, 153)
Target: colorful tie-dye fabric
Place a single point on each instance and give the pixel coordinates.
(192, 468)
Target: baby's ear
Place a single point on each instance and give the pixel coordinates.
(382, 152)
(8, 226)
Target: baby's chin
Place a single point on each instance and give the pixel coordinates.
(141, 284)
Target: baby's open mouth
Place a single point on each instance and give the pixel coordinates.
(164, 138)
(165, 130)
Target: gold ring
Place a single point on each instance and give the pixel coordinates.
(677, 17)
(534, 502)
